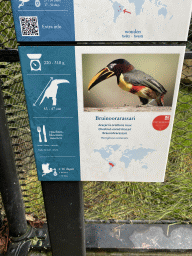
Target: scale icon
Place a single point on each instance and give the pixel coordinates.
(37, 3)
(35, 63)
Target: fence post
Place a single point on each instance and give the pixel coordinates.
(9, 182)
(64, 209)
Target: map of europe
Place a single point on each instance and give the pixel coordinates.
(118, 8)
(110, 152)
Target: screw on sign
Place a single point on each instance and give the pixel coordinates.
(161, 123)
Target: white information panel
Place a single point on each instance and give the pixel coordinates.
(132, 20)
(126, 118)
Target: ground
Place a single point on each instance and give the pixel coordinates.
(130, 109)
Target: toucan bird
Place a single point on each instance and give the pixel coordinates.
(131, 80)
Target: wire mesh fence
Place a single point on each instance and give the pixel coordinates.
(7, 35)
(171, 200)
(17, 116)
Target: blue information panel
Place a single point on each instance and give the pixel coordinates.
(48, 20)
(101, 20)
(50, 86)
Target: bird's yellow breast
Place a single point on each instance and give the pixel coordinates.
(124, 85)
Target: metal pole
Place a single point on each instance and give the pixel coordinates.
(9, 182)
(64, 210)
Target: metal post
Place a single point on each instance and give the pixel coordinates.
(64, 209)
(9, 182)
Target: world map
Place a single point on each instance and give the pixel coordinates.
(132, 20)
(114, 154)
(118, 8)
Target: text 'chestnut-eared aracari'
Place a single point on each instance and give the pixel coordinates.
(132, 80)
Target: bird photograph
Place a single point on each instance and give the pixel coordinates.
(129, 82)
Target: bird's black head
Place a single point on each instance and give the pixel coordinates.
(115, 67)
(120, 66)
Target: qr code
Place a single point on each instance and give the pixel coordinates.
(29, 26)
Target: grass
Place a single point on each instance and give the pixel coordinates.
(152, 201)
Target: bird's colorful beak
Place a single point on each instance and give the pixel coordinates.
(100, 76)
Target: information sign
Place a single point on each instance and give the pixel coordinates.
(102, 20)
(121, 130)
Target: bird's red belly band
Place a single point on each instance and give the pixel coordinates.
(136, 88)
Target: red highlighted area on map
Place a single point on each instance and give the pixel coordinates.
(112, 165)
(126, 11)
